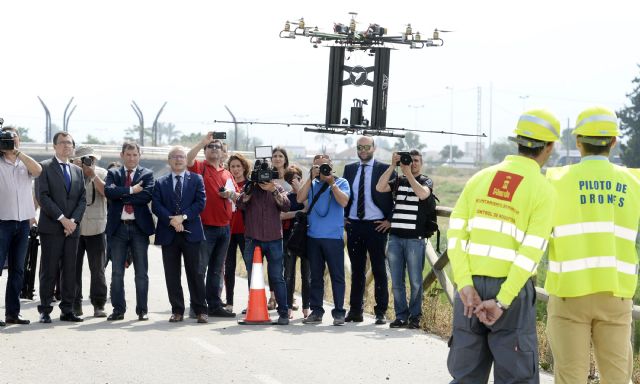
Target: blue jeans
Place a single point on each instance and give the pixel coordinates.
(331, 252)
(212, 256)
(14, 240)
(275, 268)
(406, 255)
(129, 237)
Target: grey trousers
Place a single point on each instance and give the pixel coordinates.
(511, 344)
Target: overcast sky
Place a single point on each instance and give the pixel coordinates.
(201, 55)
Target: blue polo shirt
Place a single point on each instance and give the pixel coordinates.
(326, 219)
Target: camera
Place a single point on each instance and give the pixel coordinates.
(325, 169)
(6, 140)
(87, 160)
(405, 158)
(221, 189)
(262, 173)
(219, 135)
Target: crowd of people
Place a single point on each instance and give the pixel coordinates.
(585, 216)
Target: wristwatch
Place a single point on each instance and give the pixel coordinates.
(184, 217)
(501, 306)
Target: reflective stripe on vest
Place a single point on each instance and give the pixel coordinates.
(456, 223)
(502, 254)
(452, 243)
(496, 226)
(593, 262)
(595, 227)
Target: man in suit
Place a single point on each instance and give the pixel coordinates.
(178, 199)
(129, 225)
(61, 194)
(367, 222)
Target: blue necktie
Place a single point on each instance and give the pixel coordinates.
(178, 194)
(67, 176)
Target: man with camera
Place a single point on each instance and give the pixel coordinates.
(263, 201)
(61, 194)
(92, 232)
(216, 217)
(406, 248)
(367, 222)
(17, 170)
(328, 195)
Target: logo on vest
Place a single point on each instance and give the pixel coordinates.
(504, 185)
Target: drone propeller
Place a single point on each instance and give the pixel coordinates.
(436, 33)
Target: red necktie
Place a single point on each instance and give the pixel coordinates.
(127, 183)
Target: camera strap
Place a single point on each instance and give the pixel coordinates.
(93, 194)
(315, 198)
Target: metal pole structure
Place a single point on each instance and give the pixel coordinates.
(490, 113)
(65, 119)
(479, 129)
(154, 129)
(235, 127)
(47, 124)
(451, 129)
(138, 112)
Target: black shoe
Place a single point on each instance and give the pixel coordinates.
(17, 320)
(45, 318)
(221, 312)
(70, 317)
(143, 317)
(398, 323)
(282, 320)
(115, 316)
(313, 318)
(2, 323)
(414, 323)
(77, 310)
(380, 320)
(355, 317)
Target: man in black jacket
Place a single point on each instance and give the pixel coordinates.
(61, 194)
(367, 222)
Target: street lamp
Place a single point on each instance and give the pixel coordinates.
(524, 101)
(451, 128)
(415, 114)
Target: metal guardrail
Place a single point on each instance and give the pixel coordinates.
(439, 262)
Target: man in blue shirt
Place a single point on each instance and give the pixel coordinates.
(325, 243)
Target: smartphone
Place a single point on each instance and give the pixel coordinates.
(219, 135)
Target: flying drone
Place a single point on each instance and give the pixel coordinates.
(378, 43)
(346, 35)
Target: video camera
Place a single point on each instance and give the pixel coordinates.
(405, 158)
(6, 138)
(262, 172)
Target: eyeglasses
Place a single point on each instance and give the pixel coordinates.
(178, 157)
(363, 147)
(214, 146)
(65, 142)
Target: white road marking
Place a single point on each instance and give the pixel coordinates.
(266, 379)
(211, 348)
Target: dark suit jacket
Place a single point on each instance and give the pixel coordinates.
(384, 201)
(192, 203)
(54, 199)
(119, 195)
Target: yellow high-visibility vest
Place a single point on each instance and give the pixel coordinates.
(593, 245)
(500, 225)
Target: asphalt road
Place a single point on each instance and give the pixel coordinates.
(156, 351)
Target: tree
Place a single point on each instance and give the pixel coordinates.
(133, 134)
(456, 153)
(384, 144)
(167, 133)
(410, 141)
(24, 134)
(499, 150)
(244, 143)
(93, 140)
(630, 127)
(568, 140)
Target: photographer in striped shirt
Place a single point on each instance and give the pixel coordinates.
(409, 228)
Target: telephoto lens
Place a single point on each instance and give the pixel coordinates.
(325, 169)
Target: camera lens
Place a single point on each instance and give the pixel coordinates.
(325, 169)
(88, 161)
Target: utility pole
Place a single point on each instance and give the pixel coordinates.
(65, 117)
(235, 127)
(154, 127)
(138, 112)
(47, 124)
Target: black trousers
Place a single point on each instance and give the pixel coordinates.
(236, 240)
(290, 274)
(95, 247)
(171, 259)
(362, 238)
(58, 251)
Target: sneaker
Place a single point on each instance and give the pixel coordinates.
(414, 323)
(229, 307)
(77, 309)
(355, 317)
(380, 320)
(221, 312)
(99, 312)
(282, 320)
(313, 318)
(338, 320)
(398, 323)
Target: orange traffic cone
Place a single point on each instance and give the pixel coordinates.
(257, 312)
